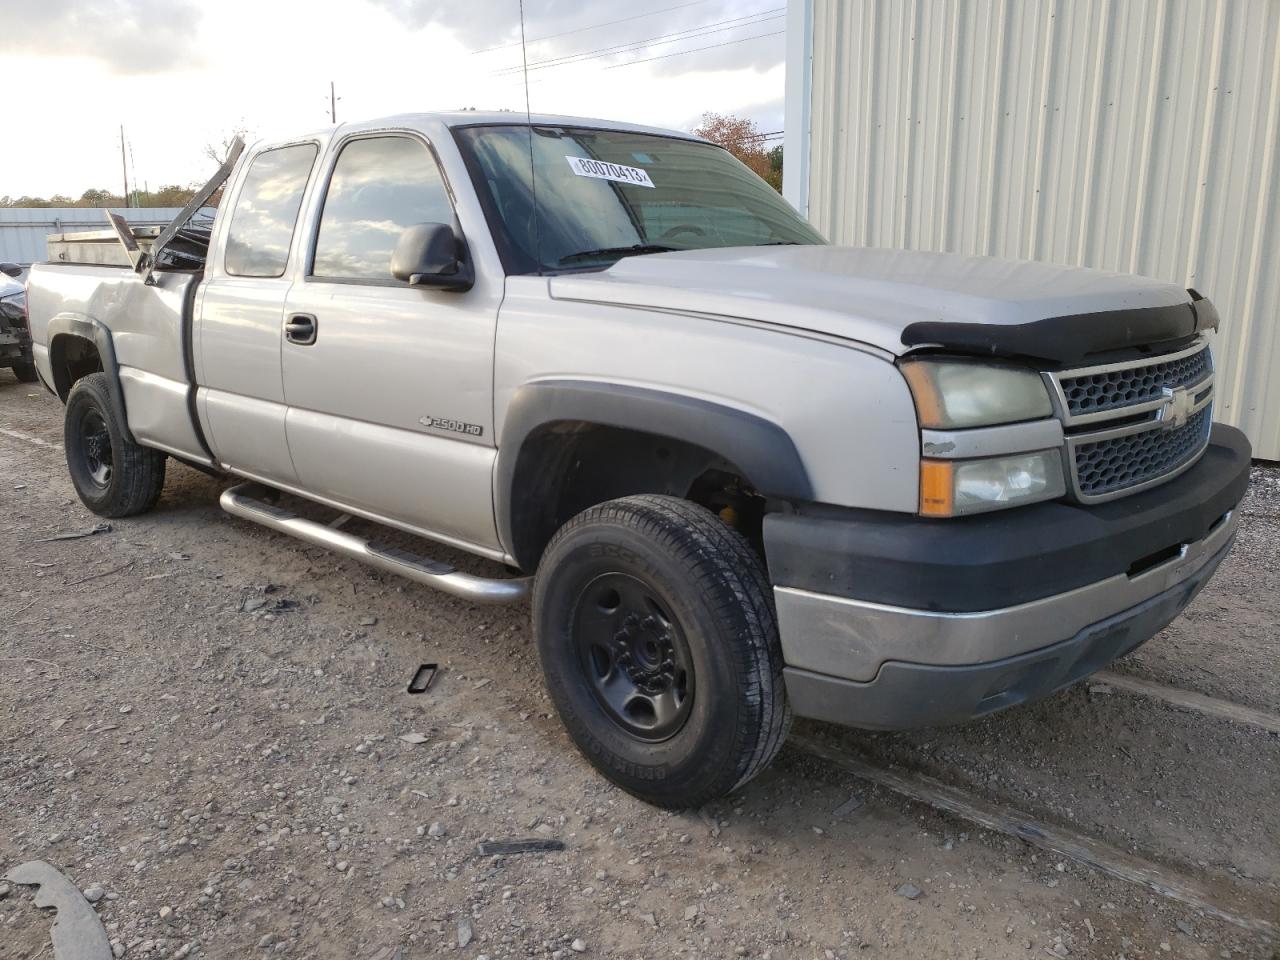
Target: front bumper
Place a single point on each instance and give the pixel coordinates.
(916, 641)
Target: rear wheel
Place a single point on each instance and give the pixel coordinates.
(113, 476)
(656, 629)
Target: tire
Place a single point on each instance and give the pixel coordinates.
(25, 370)
(659, 644)
(114, 477)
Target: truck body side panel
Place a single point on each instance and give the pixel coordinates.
(148, 326)
(846, 409)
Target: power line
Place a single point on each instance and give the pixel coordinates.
(692, 32)
(594, 26)
(771, 135)
(681, 53)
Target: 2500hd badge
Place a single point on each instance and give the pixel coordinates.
(453, 426)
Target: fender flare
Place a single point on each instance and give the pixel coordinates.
(87, 328)
(762, 449)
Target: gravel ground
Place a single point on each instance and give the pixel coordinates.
(204, 726)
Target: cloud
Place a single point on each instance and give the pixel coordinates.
(562, 28)
(128, 36)
(768, 117)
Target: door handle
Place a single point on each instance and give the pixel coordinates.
(300, 328)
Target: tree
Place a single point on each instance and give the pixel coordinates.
(743, 139)
(218, 152)
(775, 168)
(99, 198)
(170, 196)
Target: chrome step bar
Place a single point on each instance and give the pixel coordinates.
(242, 501)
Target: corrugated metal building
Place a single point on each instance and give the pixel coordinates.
(23, 229)
(1132, 135)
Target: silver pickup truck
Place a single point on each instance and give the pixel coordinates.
(742, 473)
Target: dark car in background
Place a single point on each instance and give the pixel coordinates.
(15, 340)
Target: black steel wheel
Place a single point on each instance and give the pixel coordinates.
(660, 649)
(114, 476)
(634, 656)
(96, 444)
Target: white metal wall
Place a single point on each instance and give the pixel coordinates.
(1133, 135)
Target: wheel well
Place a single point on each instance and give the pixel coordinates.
(72, 357)
(565, 467)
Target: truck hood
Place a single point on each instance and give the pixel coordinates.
(900, 300)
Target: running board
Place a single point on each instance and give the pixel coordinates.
(238, 502)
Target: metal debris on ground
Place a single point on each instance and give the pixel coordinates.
(77, 932)
(846, 808)
(422, 678)
(77, 534)
(498, 848)
(98, 576)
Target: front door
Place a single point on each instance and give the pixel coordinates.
(237, 344)
(390, 387)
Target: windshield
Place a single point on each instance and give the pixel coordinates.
(606, 194)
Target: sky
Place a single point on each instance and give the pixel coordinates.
(181, 74)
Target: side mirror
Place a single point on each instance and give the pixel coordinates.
(12, 269)
(432, 255)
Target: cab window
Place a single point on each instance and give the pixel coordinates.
(267, 210)
(380, 186)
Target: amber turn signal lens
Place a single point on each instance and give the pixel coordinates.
(937, 488)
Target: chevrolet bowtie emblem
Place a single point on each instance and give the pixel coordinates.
(1177, 406)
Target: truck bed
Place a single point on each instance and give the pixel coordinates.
(150, 330)
(187, 251)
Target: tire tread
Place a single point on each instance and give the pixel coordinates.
(732, 579)
(137, 478)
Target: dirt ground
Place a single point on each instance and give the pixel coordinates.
(201, 723)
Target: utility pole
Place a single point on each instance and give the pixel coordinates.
(124, 167)
(333, 105)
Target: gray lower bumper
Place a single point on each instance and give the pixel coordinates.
(1032, 649)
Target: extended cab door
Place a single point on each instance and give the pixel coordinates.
(237, 343)
(390, 387)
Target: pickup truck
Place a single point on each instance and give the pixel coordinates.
(742, 474)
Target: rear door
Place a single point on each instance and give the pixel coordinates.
(390, 387)
(240, 311)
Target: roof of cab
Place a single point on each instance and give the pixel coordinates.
(468, 118)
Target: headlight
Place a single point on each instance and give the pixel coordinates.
(952, 488)
(952, 394)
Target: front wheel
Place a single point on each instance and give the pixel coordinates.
(659, 644)
(25, 370)
(113, 476)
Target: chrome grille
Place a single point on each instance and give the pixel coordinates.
(1133, 424)
(1097, 392)
(1135, 459)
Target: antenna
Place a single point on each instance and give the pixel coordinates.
(124, 167)
(528, 117)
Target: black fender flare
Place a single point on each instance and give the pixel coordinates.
(762, 449)
(86, 328)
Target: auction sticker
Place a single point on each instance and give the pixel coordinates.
(586, 167)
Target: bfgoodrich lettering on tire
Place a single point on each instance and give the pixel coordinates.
(656, 630)
(114, 478)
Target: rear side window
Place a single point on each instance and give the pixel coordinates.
(380, 186)
(266, 211)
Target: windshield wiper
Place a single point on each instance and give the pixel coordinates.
(634, 250)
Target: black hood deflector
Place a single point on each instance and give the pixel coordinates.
(1072, 340)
